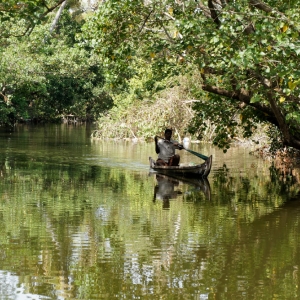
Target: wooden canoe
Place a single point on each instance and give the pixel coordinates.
(200, 171)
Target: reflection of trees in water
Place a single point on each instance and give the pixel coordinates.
(2, 168)
(81, 222)
(43, 211)
(265, 244)
(269, 190)
(272, 205)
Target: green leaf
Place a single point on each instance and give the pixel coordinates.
(255, 98)
(293, 116)
(297, 50)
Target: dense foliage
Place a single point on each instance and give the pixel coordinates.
(247, 53)
(137, 113)
(239, 58)
(44, 76)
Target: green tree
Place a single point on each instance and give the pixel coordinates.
(43, 74)
(32, 12)
(247, 53)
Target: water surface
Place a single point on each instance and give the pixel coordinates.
(84, 219)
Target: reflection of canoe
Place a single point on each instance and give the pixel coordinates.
(201, 184)
(198, 171)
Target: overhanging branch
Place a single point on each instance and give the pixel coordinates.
(273, 114)
(242, 96)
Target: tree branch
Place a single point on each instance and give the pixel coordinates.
(281, 121)
(274, 115)
(204, 9)
(57, 16)
(49, 10)
(168, 15)
(288, 138)
(213, 12)
(242, 96)
(261, 5)
(145, 21)
(167, 33)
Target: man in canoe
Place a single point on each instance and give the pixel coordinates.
(165, 148)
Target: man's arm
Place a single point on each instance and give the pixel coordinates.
(157, 150)
(177, 145)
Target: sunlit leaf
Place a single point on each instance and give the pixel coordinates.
(281, 99)
(285, 28)
(292, 85)
(152, 54)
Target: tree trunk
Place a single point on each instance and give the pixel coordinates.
(57, 16)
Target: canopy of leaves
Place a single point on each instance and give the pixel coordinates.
(247, 53)
(32, 12)
(44, 76)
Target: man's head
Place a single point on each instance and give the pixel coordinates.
(168, 134)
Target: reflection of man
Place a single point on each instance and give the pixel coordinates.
(164, 190)
(165, 148)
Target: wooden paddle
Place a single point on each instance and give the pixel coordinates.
(204, 157)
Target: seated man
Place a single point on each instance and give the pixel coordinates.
(165, 148)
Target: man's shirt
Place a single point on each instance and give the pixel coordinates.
(167, 149)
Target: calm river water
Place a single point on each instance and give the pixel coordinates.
(84, 219)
